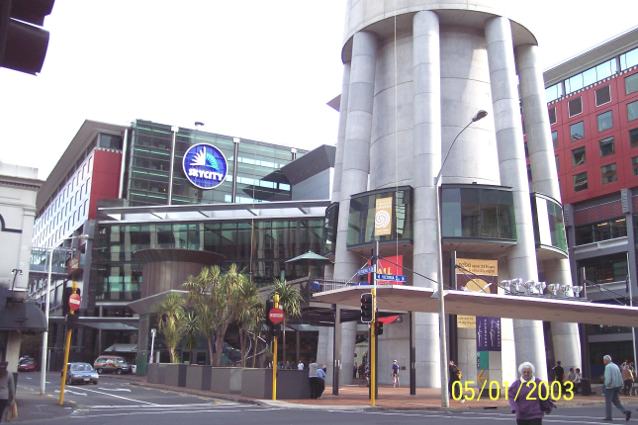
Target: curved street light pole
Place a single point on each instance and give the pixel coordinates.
(445, 399)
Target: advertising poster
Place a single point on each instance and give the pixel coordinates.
(383, 217)
(388, 265)
(475, 276)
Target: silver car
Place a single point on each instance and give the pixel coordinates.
(81, 373)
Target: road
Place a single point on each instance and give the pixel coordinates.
(115, 402)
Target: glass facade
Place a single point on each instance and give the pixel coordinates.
(249, 162)
(549, 224)
(600, 231)
(477, 212)
(330, 228)
(260, 247)
(362, 213)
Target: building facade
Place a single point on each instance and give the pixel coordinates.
(415, 75)
(593, 111)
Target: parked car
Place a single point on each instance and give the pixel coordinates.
(81, 373)
(112, 364)
(27, 365)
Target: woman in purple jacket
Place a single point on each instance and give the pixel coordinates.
(523, 396)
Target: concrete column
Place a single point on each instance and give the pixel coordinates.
(341, 137)
(427, 153)
(528, 334)
(565, 336)
(354, 175)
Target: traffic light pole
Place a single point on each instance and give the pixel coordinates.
(67, 348)
(373, 334)
(274, 356)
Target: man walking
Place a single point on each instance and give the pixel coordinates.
(612, 385)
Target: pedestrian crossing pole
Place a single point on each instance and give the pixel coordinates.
(67, 346)
(373, 334)
(274, 357)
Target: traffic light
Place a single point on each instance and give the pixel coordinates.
(65, 300)
(23, 42)
(367, 314)
(379, 326)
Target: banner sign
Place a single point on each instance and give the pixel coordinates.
(205, 166)
(488, 334)
(383, 217)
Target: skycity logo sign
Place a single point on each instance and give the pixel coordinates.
(205, 166)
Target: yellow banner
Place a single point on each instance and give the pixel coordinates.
(383, 217)
(474, 283)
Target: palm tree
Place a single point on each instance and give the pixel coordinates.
(247, 304)
(190, 333)
(212, 295)
(290, 301)
(171, 323)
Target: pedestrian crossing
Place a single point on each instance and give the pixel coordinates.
(164, 409)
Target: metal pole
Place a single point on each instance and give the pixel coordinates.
(274, 357)
(373, 334)
(45, 334)
(336, 349)
(67, 348)
(153, 331)
(445, 397)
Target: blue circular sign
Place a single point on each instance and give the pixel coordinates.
(205, 166)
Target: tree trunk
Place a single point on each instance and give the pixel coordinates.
(220, 333)
(210, 351)
(242, 346)
(255, 349)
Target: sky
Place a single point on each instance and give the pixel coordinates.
(257, 69)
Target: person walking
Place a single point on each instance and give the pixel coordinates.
(395, 374)
(524, 399)
(612, 385)
(322, 372)
(559, 372)
(627, 377)
(578, 378)
(314, 380)
(453, 371)
(300, 365)
(7, 389)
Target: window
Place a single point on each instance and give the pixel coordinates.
(629, 59)
(603, 95)
(555, 138)
(552, 114)
(634, 165)
(608, 173)
(605, 121)
(575, 106)
(633, 137)
(553, 92)
(631, 84)
(578, 156)
(632, 111)
(577, 131)
(607, 146)
(580, 182)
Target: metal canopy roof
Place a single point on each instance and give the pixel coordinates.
(203, 212)
(418, 299)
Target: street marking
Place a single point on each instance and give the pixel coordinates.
(181, 412)
(126, 390)
(71, 392)
(122, 398)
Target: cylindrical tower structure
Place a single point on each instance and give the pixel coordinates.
(415, 74)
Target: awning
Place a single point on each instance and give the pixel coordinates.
(22, 316)
(417, 299)
(122, 348)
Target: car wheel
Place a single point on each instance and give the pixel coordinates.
(100, 370)
(119, 371)
(95, 382)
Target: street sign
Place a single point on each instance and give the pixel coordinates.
(276, 316)
(365, 270)
(394, 277)
(74, 302)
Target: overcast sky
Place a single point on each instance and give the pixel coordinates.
(259, 69)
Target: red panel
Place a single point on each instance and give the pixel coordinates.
(598, 213)
(620, 131)
(105, 178)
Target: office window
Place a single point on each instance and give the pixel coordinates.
(607, 146)
(555, 138)
(608, 173)
(634, 165)
(557, 164)
(578, 156)
(552, 114)
(603, 95)
(633, 137)
(605, 121)
(580, 182)
(632, 111)
(631, 84)
(553, 92)
(575, 106)
(629, 59)
(577, 131)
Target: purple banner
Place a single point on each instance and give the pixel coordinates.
(488, 333)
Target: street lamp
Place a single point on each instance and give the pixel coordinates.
(445, 398)
(47, 298)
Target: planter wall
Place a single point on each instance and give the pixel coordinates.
(226, 380)
(174, 374)
(198, 377)
(291, 384)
